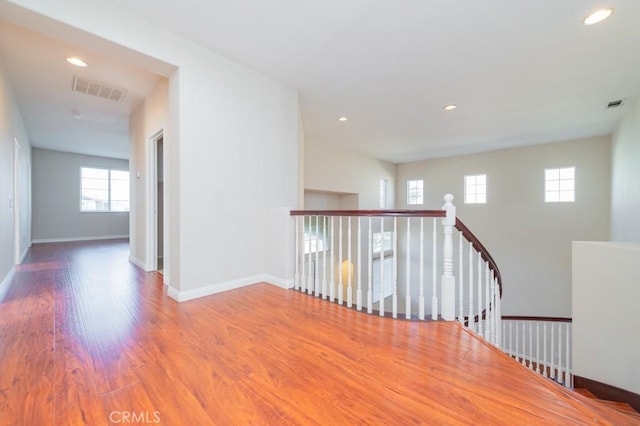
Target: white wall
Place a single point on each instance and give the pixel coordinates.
(56, 199)
(606, 290)
(331, 169)
(150, 117)
(625, 176)
(529, 239)
(232, 163)
(11, 128)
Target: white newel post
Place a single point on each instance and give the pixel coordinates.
(448, 281)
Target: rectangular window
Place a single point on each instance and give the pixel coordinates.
(381, 242)
(104, 190)
(316, 234)
(559, 185)
(383, 193)
(475, 189)
(415, 191)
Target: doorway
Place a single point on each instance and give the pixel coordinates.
(155, 219)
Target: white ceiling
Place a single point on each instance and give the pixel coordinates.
(520, 72)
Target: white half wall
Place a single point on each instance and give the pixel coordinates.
(606, 291)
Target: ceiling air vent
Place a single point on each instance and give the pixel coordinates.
(95, 88)
(615, 104)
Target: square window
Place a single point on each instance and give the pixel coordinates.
(475, 189)
(415, 191)
(559, 185)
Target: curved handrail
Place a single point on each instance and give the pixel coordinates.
(480, 248)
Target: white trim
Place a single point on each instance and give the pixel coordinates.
(70, 239)
(151, 214)
(24, 253)
(183, 296)
(7, 279)
(139, 263)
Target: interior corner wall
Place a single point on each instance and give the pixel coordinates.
(234, 136)
(331, 169)
(12, 128)
(529, 239)
(625, 176)
(150, 117)
(56, 199)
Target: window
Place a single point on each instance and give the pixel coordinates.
(104, 190)
(475, 189)
(383, 193)
(559, 185)
(381, 242)
(414, 191)
(314, 234)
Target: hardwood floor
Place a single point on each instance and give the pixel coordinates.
(88, 338)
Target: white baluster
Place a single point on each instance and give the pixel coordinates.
(510, 341)
(524, 342)
(316, 277)
(349, 268)
(340, 284)
(544, 348)
(394, 309)
(303, 275)
(381, 302)
(517, 342)
(296, 275)
(448, 281)
(460, 281)
(567, 380)
(370, 271)
(553, 351)
(324, 258)
(560, 365)
(487, 309)
(472, 320)
(434, 296)
(480, 305)
(332, 283)
(407, 301)
(498, 313)
(310, 257)
(421, 307)
(530, 351)
(359, 285)
(538, 347)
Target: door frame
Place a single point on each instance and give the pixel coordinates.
(152, 200)
(17, 234)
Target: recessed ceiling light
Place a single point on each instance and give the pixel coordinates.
(343, 118)
(598, 16)
(77, 62)
(450, 107)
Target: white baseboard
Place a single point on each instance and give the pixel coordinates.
(139, 263)
(71, 239)
(7, 279)
(183, 296)
(24, 254)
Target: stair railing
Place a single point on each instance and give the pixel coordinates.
(380, 261)
(542, 344)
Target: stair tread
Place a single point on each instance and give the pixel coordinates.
(585, 392)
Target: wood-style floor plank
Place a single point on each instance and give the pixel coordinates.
(88, 338)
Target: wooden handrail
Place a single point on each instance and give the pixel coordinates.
(480, 248)
(533, 318)
(382, 213)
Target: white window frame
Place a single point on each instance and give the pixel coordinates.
(413, 187)
(560, 185)
(383, 193)
(109, 179)
(475, 189)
